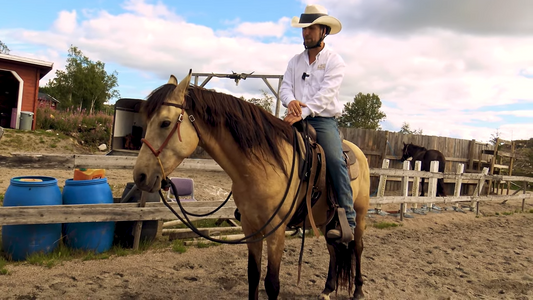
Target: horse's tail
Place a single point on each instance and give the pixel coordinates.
(345, 265)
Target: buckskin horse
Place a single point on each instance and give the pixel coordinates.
(426, 157)
(257, 151)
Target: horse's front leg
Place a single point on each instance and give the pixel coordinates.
(275, 246)
(422, 188)
(254, 265)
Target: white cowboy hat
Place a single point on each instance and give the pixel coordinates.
(316, 14)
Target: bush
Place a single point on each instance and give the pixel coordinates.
(89, 129)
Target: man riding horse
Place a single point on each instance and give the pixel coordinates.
(310, 91)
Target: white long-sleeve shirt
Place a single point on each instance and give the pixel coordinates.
(320, 90)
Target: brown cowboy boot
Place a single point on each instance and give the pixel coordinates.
(336, 234)
(343, 231)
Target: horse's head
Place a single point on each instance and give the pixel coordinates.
(406, 152)
(170, 136)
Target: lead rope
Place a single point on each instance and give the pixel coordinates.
(245, 240)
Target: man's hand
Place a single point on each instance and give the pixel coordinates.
(291, 118)
(295, 108)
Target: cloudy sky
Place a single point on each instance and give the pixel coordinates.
(455, 68)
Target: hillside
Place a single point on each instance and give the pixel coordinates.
(41, 141)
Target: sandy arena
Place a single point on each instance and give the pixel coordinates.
(447, 255)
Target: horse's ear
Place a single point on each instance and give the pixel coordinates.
(184, 84)
(172, 80)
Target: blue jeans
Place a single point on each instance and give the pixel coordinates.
(327, 133)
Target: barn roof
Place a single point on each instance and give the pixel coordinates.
(44, 66)
(45, 96)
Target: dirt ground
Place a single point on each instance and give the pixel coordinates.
(444, 255)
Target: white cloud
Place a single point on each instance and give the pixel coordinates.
(263, 29)
(66, 22)
(435, 77)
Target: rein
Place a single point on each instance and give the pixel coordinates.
(185, 219)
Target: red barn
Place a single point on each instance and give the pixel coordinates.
(46, 100)
(19, 87)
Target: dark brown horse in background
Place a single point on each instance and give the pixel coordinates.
(426, 157)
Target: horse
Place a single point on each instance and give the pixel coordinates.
(426, 157)
(256, 150)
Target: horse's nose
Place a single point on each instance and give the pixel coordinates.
(140, 179)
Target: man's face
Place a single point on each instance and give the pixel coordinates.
(311, 35)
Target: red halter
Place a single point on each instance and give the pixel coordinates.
(176, 128)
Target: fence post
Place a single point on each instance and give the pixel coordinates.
(382, 183)
(524, 186)
(478, 190)
(432, 182)
(139, 224)
(416, 183)
(458, 182)
(405, 189)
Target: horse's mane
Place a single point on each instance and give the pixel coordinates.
(256, 132)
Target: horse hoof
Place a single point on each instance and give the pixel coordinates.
(323, 297)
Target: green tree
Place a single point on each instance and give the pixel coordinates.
(84, 83)
(363, 112)
(264, 102)
(3, 48)
(406, 129)
(495, 136)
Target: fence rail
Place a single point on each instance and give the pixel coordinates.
(157, 211)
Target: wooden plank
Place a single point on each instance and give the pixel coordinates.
(404, 189)
(139, 225)
(416, 182)
(85, 213)
(186, 235)
(382, 182)
(446, 200)
(459, 181)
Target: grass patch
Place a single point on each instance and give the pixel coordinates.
(507, 213)
(178, 246)
(3, 263)
(202, 244)
(531, 211)
(93, 256)
(384, 225)
(53, 145)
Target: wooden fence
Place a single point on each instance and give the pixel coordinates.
(157, 211)
(379, 145)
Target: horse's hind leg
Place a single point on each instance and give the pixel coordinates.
(359, 246)
(440, 188)
(331, 283)
(275, 247)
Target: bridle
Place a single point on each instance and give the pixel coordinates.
(175, 129)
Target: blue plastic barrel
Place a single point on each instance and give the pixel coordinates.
(20, 241)
(96, 237)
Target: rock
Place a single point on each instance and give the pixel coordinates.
(102, 147)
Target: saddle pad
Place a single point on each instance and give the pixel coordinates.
(349, 157)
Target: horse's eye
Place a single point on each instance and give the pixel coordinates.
(165, 124)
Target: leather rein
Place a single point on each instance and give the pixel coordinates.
(167, 183)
